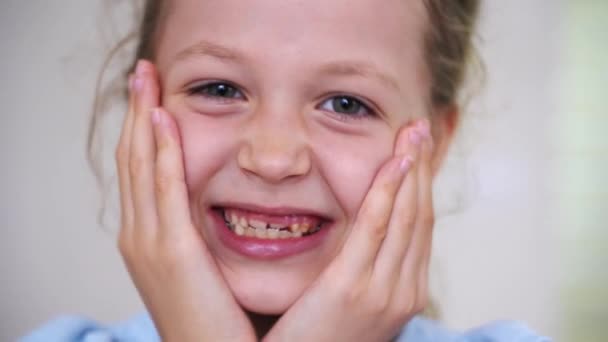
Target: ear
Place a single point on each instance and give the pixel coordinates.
(444, 122)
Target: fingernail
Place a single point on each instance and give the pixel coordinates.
(415, 137)
(406, 163)
(156, 116)
(138, 83)
(424, 128)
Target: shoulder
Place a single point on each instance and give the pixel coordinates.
(424, 330)
(82, 329)
(141, 328)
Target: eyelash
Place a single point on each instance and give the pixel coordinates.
(367, 111)
(204, 89)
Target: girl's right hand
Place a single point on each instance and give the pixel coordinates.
(166, 256)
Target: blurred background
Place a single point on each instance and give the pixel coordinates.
(523, 199)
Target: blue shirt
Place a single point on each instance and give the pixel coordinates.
(141, 328)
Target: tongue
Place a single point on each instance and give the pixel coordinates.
(278, 220)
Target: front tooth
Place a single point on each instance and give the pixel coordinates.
(239, 230)
(272, 233)
(297, 234)
(257, 224)
(250, 232)
(233, 218)
(283, 234)
(260, 233)
(243, 222)
(294, 227)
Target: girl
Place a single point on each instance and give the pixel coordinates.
(276, 165)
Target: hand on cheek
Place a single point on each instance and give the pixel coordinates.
(378, 281)
(164, 253)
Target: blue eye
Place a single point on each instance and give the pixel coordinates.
(217, 90)
(346, 105)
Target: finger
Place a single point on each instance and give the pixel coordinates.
(142, 153)
(170, 181)
(427, 217)
(360, 250)
(122, 163)
(415, 264)
(401, 225)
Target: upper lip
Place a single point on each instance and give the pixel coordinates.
(274, 210)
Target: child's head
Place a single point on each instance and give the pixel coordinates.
(292, 106)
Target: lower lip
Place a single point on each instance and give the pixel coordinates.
(267, 248)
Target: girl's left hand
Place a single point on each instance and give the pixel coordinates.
(378, 281)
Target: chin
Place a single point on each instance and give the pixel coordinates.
(268, 292)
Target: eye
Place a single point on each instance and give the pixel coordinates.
(347, 105)
(220, 90)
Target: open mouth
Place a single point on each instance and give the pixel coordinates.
(267, 226)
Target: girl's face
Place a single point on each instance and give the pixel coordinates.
(287, 109)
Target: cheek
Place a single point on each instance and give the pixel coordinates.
(202, 154)
(206, 144)
(349, 166)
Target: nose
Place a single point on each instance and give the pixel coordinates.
(274, 149)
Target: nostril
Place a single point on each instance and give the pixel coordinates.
(274, 162)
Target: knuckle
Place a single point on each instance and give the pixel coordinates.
(377, 230)
(428, 220)
(389, 189)
(137, 164)
(347, 296)
(124, 245)
(163, 145)
(408, 219)
(378, 304)
(121, 155)
(377, 221)
(162, 183)
(407, 303)
(166, 178)
(350, 298)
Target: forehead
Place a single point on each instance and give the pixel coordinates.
(388, 33)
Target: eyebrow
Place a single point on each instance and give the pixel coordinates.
(207, 48)
(361, 69)
(335, 68)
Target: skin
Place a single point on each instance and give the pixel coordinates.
(281, 143)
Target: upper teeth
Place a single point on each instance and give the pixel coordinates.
(257, 224)
(243, 226)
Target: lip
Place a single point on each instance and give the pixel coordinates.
(280, 210)
(268, 249)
